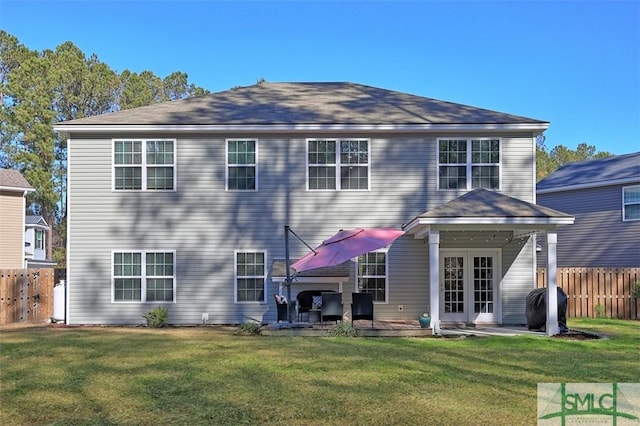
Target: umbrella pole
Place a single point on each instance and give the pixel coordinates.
(286, 264)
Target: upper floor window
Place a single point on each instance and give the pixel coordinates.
(250, 272)
(242, 165)
(144, 165)
(140, 276)
(631, 203)
(372, 275)
(338, 164)
(39, 239)
(468, 163)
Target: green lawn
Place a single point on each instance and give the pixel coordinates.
(193, 376)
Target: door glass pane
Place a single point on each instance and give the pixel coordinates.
(453, 284)
(483, 284)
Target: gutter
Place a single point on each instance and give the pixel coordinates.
(589, 185)
(65, 129)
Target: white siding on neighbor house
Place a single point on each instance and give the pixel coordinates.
(205, 224)
(599, 238)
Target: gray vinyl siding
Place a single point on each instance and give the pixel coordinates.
(598, 237)
(518, 279)
(204, 224)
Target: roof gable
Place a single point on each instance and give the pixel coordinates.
(482, 203)
(304, 103)
(591, 173)
(35, 220)
(13, 180)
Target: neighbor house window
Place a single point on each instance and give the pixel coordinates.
(372, 275)
(250, 276)
(242, 165)
(631, 203)
(140, 276)
(39, 243)
(338, 164)
(144, 165)
(469, 163)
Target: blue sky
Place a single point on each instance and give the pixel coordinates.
(575, 64)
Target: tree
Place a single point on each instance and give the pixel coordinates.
(38, 89)
(548, 162)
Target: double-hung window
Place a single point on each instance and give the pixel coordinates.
(39, 236)
(372, 275)
(144, 165)
(469, 164)
(250, 273)
(338, 164)
(631, 203)
(140, 276)
(242, 165)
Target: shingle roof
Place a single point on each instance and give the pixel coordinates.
(305, 103)
(482, 203)
(34, 220)
(10, 179)
(598, 172)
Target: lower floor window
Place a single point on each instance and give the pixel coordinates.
(141, 276)
(250, 274)
(372, 275)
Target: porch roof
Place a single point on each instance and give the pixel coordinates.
(485, 207)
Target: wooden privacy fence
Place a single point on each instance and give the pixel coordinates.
(598, 292)
(26, 295)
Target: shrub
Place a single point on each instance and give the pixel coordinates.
(600, 311)
(249, 327)
(635, 289)
(344, 329)
(157, 317)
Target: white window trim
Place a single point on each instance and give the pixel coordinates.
(469, 164)
(227, 165)
(625, 204)
(338, 165)
(263, 276)
(144, 165)
(143, 285)
(386, 278)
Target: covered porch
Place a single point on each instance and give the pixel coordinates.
(481, 250)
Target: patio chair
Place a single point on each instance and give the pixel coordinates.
(305, 301)
(332, 307)
(282, 308)
(362, 307)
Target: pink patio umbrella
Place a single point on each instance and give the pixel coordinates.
(346, 245)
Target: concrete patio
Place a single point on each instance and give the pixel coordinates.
(399, 328)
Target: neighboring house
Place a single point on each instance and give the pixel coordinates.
(35, 249)
(184, 203)
(604, 197)
(13, 190)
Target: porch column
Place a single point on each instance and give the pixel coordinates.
(552, 286)
(434, 280)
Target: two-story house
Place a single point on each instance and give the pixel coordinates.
(604, 196)
(13, 190)
(184, 204)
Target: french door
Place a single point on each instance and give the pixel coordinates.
(468, 286)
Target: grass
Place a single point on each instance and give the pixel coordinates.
(193, 376)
